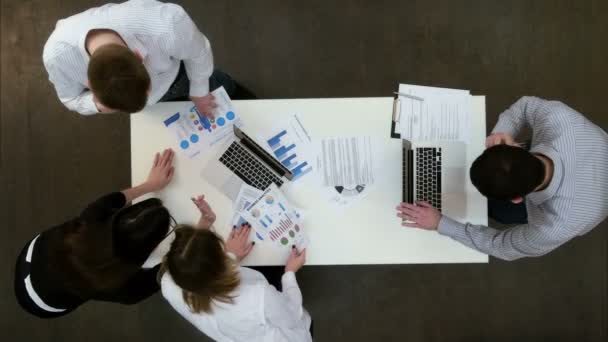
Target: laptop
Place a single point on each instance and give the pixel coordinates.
(241, 160)
(435, 173)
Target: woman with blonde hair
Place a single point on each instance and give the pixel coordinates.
(201, 278)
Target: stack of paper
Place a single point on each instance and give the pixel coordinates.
(272, 217)
(433, 114)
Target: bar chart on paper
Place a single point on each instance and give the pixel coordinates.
(287, 147)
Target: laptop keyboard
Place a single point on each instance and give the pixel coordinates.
(428, 175)
(248, 168)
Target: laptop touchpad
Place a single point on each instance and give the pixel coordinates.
(454, 181)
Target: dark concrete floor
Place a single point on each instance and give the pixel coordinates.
(53, 161)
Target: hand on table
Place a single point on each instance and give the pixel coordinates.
(207, 215)
(161, 172)
(423, 215)
(296, 260)
(204, 104)
(500, 138)
(238, 241)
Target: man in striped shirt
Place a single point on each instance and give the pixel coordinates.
(562, 180)
(122, 57)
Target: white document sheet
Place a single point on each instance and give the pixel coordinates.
(290, 143)
(274, 219)
(434, 114)
(346, 169)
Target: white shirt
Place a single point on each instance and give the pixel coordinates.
(162, 33)
(259, 311)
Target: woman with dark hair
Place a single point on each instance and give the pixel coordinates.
(202, 280)
(100, 254)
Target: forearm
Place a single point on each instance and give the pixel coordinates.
(136, 191)
(292, 291)
(509, 244)
(199, 69)
(193, 48)
(82, 103)
(521, 114)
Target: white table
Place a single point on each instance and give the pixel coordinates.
(366, 233)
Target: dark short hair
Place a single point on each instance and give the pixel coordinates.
(138, 229)
(506, 172)
(118, 78)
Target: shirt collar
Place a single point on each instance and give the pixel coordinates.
(539, 197)
(132, 42)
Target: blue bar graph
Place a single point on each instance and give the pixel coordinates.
(274, 141)
(287, 162)
(284, 145)
(171, 119)
(280, 152)
(299, 168)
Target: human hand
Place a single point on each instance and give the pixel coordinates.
(238, 241)
(296, 260)
(207, 214)
(500, 138)
(422, 215)
(161, 172)
(204, 104)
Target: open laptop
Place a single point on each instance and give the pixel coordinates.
(435, 173)
(242, 160)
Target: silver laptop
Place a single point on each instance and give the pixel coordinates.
(242, 160)
(435, 173)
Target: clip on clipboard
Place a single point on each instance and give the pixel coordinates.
(395, 118)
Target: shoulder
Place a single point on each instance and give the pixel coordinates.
(155, 12)
(559, 113)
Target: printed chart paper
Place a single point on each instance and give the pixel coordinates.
(289, 143)
(275, 220)
(194, 132)
(185, 125)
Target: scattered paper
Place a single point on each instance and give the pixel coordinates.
(247, 195)
(185, 125)
(289, 142)
(433, 114)
(224, 117)
(276, 220)
(194, 132)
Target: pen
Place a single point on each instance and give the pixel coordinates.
(409, 96)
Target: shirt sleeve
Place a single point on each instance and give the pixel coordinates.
(104, 207)
(70, 92)
(284, 312)
(522, 113)
(520, 241)
(192, 47)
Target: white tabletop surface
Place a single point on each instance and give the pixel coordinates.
(367, 232)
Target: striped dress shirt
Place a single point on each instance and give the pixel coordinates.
(574, 202)
(162, 33)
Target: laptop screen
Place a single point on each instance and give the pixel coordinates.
(262, 154)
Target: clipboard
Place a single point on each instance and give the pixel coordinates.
(395, 118)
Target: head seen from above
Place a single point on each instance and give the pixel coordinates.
(118, 79)
(138, 229)
(507, 172)
(199, 265)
